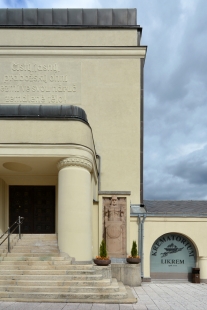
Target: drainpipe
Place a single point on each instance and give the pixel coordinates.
(142, 245)
(139, 236)
(99, 171)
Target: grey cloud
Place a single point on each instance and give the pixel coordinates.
(192, 168)
(182, 178)
(13, 3)
(175, 105)
(174, 189)
(171, 65)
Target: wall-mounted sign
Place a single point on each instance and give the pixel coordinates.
(172, 253)
(40, 80)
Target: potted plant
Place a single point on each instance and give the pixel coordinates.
(102, 259)
(133, 258)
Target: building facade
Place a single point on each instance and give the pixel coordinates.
(71, 119)
(71, 142)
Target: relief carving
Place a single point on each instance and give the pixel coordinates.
(114, 225)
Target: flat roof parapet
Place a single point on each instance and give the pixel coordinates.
(68, 18)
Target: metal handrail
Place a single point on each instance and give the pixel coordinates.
(8, 233)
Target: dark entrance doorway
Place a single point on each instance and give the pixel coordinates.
(36, 204)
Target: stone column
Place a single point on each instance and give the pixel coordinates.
(75, 207)
(203, 268)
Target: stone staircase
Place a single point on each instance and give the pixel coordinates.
(36, 271)
(4, 247)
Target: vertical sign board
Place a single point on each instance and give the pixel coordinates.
(172, 253)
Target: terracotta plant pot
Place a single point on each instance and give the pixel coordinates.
(102, 262)
(133, 260)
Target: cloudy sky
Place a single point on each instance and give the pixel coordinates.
(175, 91)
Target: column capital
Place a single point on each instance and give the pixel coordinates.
(76, 161)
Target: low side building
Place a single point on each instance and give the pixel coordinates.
(172, 238)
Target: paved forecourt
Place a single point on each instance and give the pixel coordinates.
(156, 295)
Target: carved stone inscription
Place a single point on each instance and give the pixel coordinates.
(40, 82)
(114, 225)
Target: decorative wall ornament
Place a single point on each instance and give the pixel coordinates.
(75, 161)
(114, 225)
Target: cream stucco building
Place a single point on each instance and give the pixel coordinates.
(71, 142)
(71, 118)
(172, 238)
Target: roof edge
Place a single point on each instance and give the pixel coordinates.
(82, 18)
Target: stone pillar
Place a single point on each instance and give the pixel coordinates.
(203, 268)
(75, 207)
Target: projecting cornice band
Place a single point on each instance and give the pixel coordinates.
(138, 51)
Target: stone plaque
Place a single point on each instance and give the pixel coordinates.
(40, 81)
(114, 225)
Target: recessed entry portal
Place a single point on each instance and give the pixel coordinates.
(172, 257)
(36, 204)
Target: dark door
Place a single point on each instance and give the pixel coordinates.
(36, 204)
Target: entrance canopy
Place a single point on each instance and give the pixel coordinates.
(37, 137)
(42, 112)
(44, 124)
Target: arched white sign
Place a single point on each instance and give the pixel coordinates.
(172, 253)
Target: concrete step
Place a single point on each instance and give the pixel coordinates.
(58, 277)
(114, 287)
(2, 255)
(36, 271)
(29, 258)
(35, 262)
(31, 248)
(38, 236)
(130, 299)
(59, 289)
(102, 282)
(42, 266)
(64, 295)
(12, 237)
(5, 244)
(46, 272)
(37, 240)
(31, 245)
(32, 254)
(3, 248)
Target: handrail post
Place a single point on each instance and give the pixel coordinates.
(10, 230)
(19, 227)
(9, 239)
